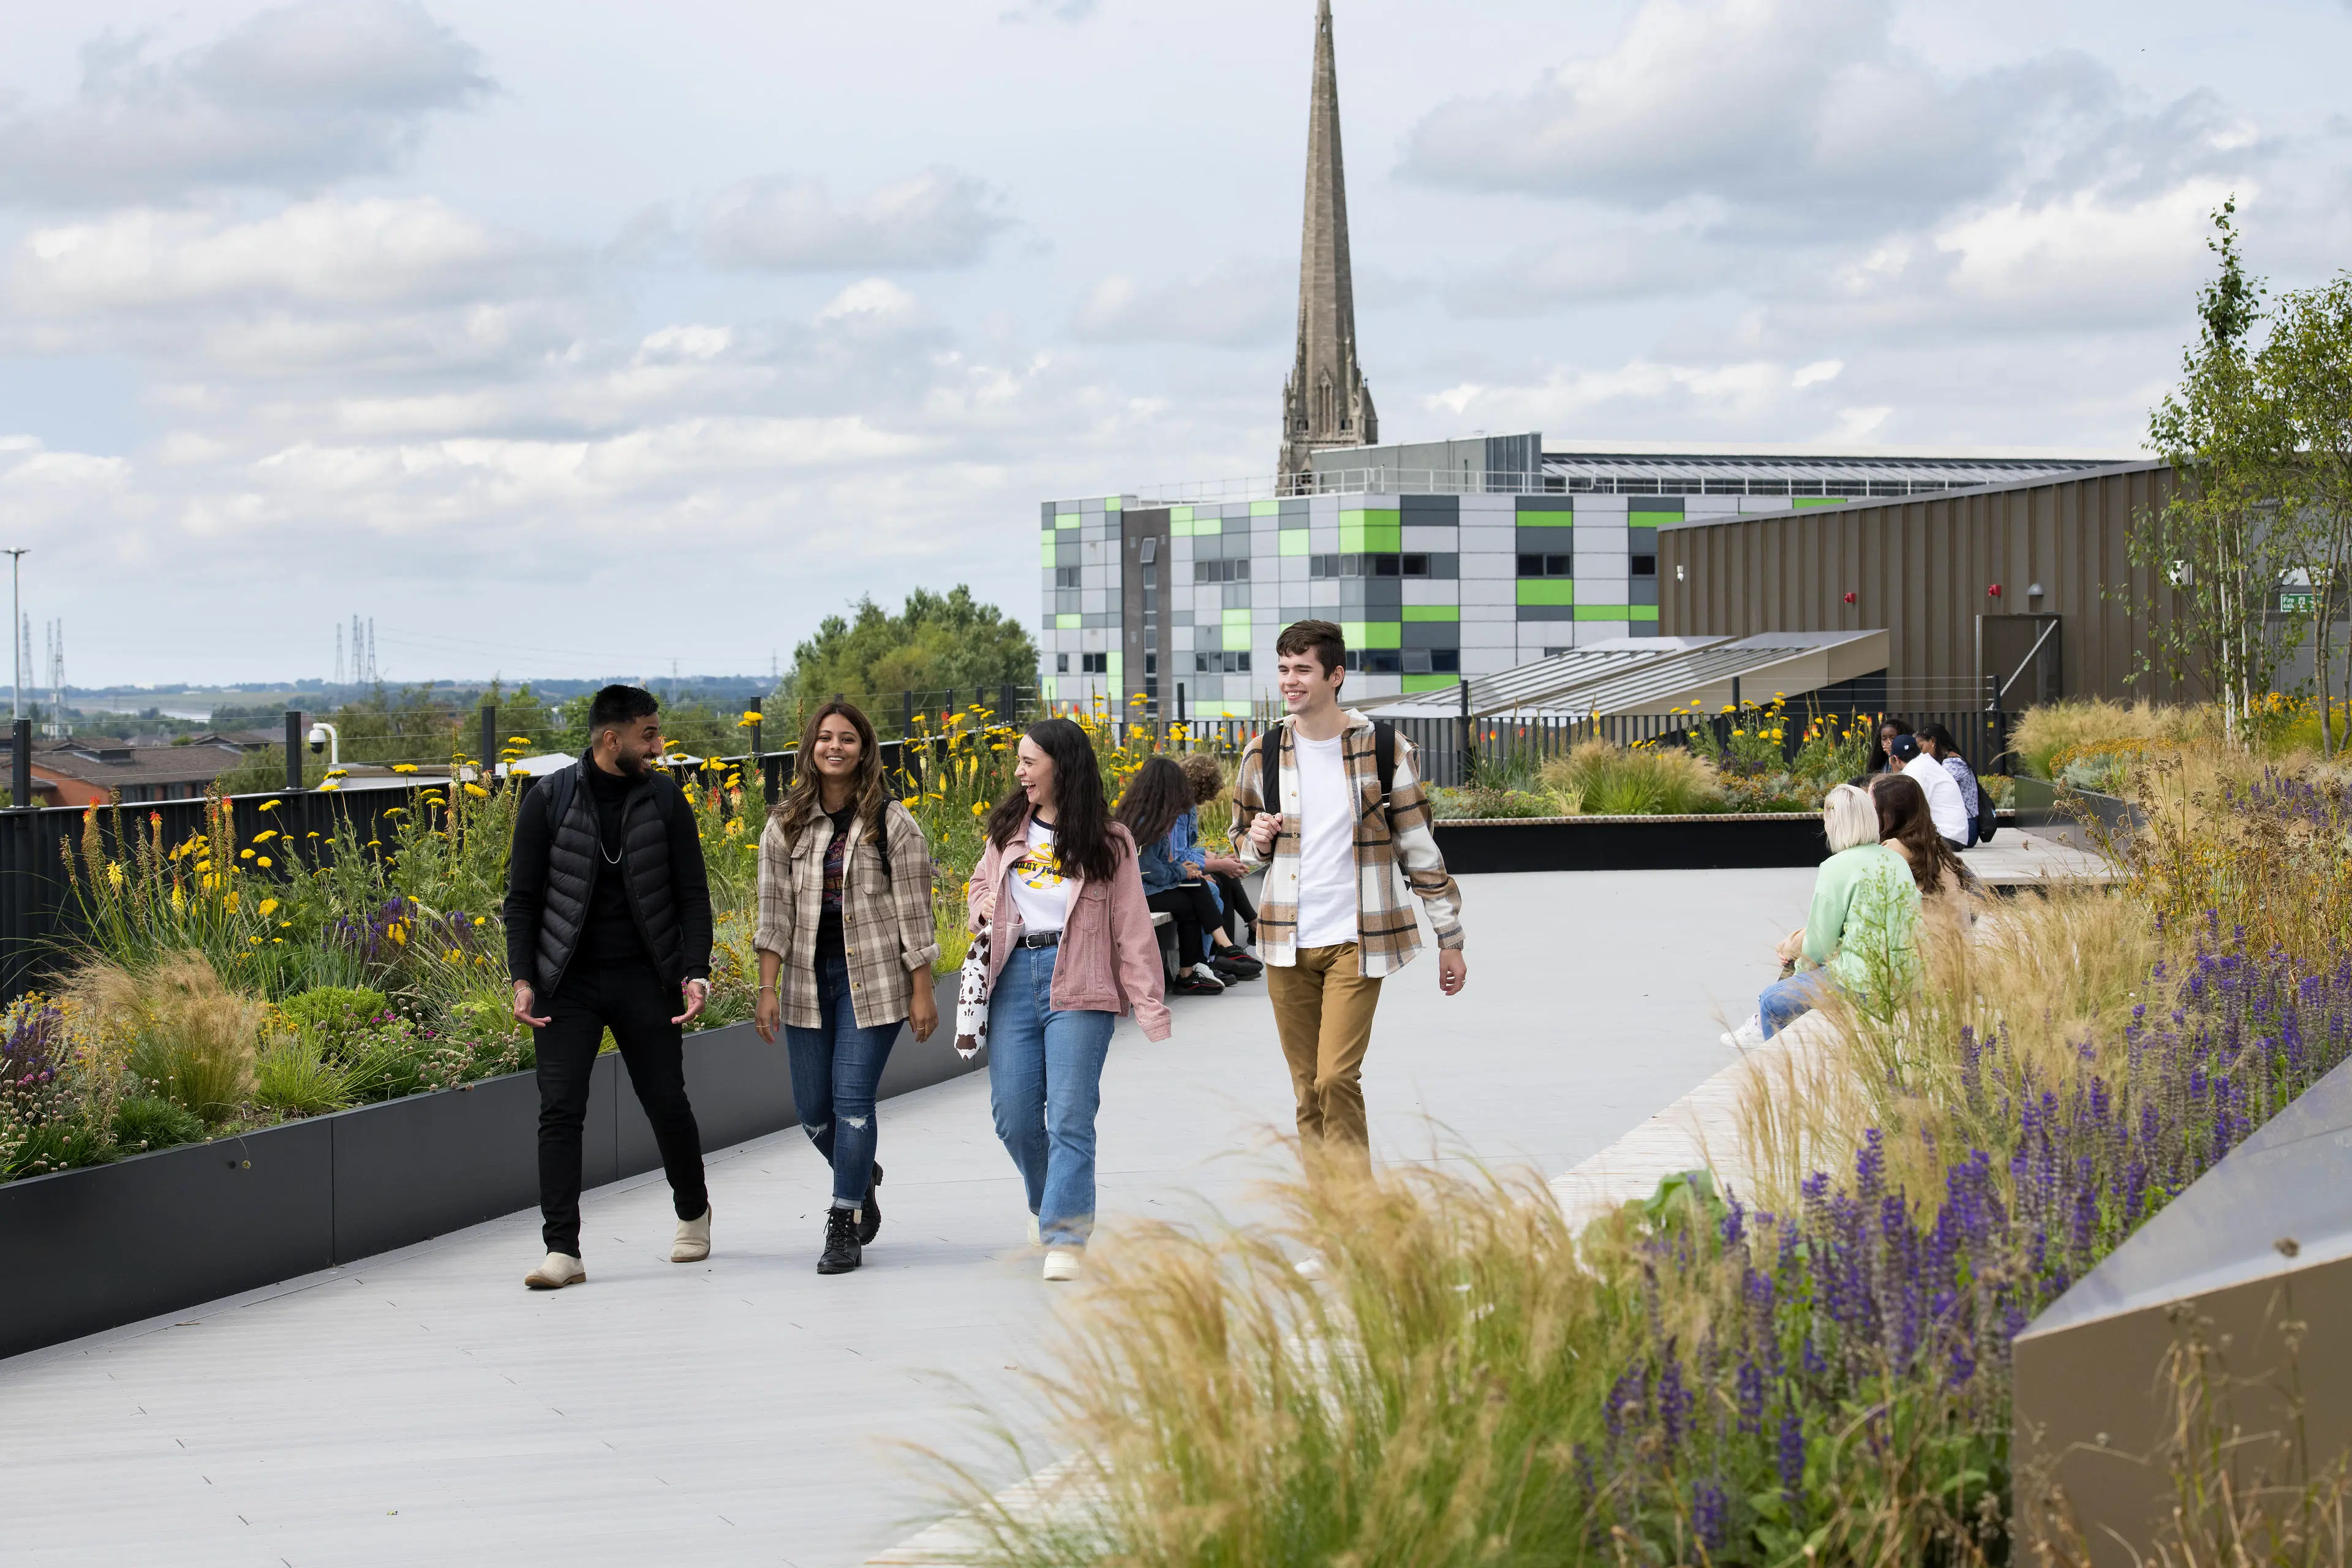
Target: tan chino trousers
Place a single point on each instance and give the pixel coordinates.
(1323, 1010)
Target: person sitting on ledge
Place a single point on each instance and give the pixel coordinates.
(1862, 936)
(1157, 808)
(1946, 804)
(1906, 826)
(1225, 871)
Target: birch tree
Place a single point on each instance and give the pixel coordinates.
(2305, 370)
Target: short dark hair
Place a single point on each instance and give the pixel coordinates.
(615, 707)
(1320, 638)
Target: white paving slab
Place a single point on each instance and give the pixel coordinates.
(422, 1407)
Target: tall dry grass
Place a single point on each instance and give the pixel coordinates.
(2047, 737)
(2044, 978)
(176, 1026)
(1419, 1409)
(1609, 779)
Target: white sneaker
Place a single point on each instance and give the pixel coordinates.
(1749, 1036)
(1035, 1237)
(1064, 1262)
(560, 1269)
(693, 1243)
(1310, 1267)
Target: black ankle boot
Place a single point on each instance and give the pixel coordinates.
(842, 1252)
(870, 1224)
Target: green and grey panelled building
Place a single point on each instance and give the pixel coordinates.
(1439, 561)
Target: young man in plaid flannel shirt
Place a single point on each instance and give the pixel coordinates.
(1333, 920)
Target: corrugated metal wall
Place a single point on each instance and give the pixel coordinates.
(1921, 568)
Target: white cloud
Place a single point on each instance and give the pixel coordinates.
(291, 99)
(939, 217)
(1234, 304)
(1813, 374)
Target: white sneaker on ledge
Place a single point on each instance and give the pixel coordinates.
(1749, 1036)
(693, 1243)
(560, 1269)
(1064, 1262)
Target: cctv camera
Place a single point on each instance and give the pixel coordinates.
(318, 737)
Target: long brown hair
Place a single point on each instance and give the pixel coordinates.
(1903, 817)
(804, 801)
(1082, 837)
(1154, 798)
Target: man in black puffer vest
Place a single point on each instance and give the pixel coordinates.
(608, 926)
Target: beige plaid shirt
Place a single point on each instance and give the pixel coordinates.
(886, 927)
(1396, 854)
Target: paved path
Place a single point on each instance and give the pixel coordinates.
(422, 1407)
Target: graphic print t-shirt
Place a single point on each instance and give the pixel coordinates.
(1040, 891)
(836, 861)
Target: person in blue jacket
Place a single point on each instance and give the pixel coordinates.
(1157, 808)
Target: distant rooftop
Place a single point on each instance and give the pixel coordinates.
(1517, 465)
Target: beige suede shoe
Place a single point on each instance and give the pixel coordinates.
(560, 1269)
(693, 1243)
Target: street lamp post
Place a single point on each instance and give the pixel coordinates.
(15, 636)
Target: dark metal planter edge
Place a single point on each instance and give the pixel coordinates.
(91, 1250)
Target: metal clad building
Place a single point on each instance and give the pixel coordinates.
(1941, 572)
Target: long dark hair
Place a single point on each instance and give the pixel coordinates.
(1903, 817)
(803, 800)
(1878, 757)
(1154, 798)
(1081, 817)
(1942, 738)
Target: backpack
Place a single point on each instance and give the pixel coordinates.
(1383, 764)
(1988, 814)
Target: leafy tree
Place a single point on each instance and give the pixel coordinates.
(2222, 540)
(936, 643)
(2306, 367)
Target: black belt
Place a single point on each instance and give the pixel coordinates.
(1039, 938)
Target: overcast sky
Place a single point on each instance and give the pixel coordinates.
(587, 338)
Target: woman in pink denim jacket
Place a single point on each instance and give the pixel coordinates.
(1072, 949)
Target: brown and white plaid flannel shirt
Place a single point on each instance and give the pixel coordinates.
(1396, 854)
(886, 927)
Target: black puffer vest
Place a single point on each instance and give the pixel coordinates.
(573, 864)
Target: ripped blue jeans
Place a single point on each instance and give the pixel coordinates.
(836, 1067)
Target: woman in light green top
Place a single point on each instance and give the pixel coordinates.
(1862, 932)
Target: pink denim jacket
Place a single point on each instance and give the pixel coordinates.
(1109, 957)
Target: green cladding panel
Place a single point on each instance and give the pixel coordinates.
(1547, 591)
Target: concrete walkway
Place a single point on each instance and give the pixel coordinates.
(422, 1407)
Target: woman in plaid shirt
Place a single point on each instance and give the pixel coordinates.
(846, 946)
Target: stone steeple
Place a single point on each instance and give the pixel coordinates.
(1325, 403)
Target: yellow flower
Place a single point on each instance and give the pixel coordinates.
(330, 783)
(205, 865)
(750, 716)
(403, 767)
(911, 802)
(263, 862)
(228, 900)
(278, 940)
(517, 740)
(269, 805)
(285, 925)
(398, 933)
(478, 792)
(265, 908)
(481, 919)
(980, 808)
(245, 854)
(114, 872)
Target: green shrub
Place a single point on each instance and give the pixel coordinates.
(326, 1011)
(61, 1145)
(189, 1038)
(1475, 802)
(293, 1076)
(150, 1122)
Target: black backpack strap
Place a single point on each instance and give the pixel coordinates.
(1270, 771)
(882, 840)
(1384, 757)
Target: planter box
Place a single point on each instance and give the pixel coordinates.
(91, 1250)
(1723, 842)
(2079, 817)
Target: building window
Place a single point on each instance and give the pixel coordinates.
(1376, 661)
(1550, 565)
(1220, 571)
(1416, 565)
(1066, 577)
(1645, 565)
(1094, 664)
(1231, 662)
(1446, 660)
(1061, 664)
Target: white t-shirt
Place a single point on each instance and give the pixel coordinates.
(1040, 891)
(1327, 845)
(1945, 805)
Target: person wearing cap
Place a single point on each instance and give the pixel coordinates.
(1945, 806)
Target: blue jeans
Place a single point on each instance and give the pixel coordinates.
(1784, 1002)
(836, 1069)
(1045, 1084)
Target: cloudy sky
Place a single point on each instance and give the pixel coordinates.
(602, 337)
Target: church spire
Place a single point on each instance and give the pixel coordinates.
(1325, 403)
